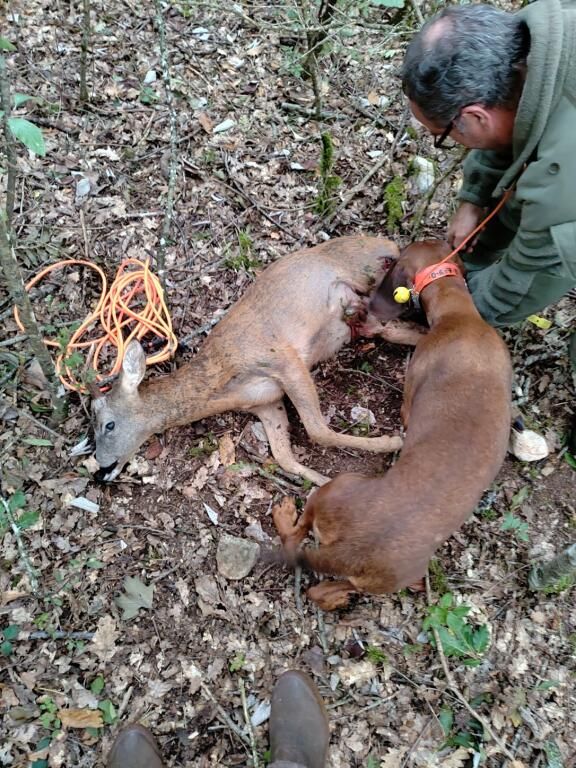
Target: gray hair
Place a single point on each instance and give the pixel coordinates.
(472, 54)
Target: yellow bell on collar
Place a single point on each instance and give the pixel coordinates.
(401, 295)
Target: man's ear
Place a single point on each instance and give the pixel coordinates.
(382, 303)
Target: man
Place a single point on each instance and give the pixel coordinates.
(299, 730)
(504, 84)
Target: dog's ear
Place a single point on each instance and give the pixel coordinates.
(382, 304)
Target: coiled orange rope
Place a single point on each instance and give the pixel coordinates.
(135, 300)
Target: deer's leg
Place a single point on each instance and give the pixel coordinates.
(299, 386)
(275, 422)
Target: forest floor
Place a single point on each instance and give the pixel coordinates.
(248, 191)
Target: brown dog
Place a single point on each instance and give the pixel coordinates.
(379, 533)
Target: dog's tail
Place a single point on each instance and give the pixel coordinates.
(332, 560)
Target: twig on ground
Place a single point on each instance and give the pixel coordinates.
(298, 588)
(124, 703)
(13, 340)
(307, 111)
(253, 747)
(84, 50)
(32, 577)
(10, 152)
(7, 404)
(381, 163)
(224, 715)
(321, 630)
(173, 164)
(84, 235)
(456, 690)
(417, 12)
(58, 634)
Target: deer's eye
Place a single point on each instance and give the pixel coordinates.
(109, 426)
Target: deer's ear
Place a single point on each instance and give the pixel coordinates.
(133, 367)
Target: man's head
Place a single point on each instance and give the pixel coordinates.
(463, 74)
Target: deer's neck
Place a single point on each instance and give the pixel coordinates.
(184, 396)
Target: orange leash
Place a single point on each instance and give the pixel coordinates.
(135, 301)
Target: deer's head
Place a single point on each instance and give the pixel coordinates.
(121, 423)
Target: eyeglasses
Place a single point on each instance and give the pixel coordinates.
(440, 141)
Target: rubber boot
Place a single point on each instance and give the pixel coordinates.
(135, 747)
(299, 732)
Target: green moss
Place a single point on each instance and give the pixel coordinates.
(394, 197)
(438, 580)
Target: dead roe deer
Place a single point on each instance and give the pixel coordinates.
(301, 310)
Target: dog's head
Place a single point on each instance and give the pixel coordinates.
(385, 302)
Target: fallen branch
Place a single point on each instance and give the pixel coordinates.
(417, 12)
(32, 577)
(383, 162)
(9, 261)
(84, 50)
(173, 164)
(58, 634)
(253, 747)
(456, 690)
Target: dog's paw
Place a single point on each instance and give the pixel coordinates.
(285, 516)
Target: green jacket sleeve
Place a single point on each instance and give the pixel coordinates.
(483, 169)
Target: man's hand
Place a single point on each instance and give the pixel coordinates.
(464, 221)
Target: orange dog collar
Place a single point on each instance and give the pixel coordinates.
(435, 272)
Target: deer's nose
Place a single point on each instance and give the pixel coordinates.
(102, 475)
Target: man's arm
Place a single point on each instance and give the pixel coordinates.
(483, 169)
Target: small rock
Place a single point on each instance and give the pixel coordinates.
(255, 531)
(423, 174)
(360, 415)
(236, 557)
(527, 445)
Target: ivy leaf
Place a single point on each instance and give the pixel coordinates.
(6, 45)
(41, 442)
(97, 685)
(108, 710)
(17, 501)
(21, 98)
(137, 595)
(11, 632)
(446, 718)
(480, 639)
(28, 519)
(29, 134)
